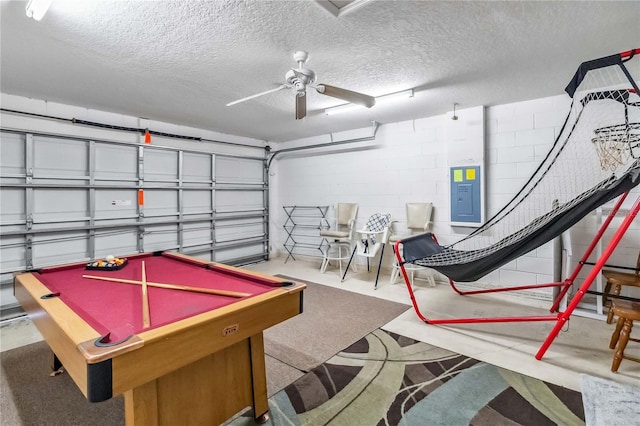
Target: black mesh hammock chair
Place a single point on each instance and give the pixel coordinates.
(595, 159)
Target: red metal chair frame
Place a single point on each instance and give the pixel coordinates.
(561, 318)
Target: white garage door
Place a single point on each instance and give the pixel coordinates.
(67, 200)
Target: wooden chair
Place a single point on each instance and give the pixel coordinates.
(627, 313)
(615, 280)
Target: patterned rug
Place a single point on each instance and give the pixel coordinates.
(387, 379)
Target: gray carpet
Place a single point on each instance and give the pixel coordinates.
(31, 397)
(609, 403)
(332, 320)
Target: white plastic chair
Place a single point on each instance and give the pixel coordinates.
(418, 221)
(370, 240)
(339, 239)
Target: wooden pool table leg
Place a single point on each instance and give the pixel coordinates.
(259, 378)
(233, 378)
(141, 405)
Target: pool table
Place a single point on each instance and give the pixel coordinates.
(195, 357)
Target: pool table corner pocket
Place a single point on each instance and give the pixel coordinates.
(96, 353)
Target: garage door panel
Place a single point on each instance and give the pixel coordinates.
(197, 201)
(197, 167)
(12, 253)
(60, 204)
(116, 242)
(239, 170)
(49, 250)
(116, 162)
(116, 203)
(197, 233)
(160, 165)
(255, 251)
(12, 154)
(160, 237)
(238, 200)
(231, 233)
(12, 201)
(60, 157)
(158, 202)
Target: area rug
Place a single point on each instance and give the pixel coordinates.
(388, 379)
(331, 320)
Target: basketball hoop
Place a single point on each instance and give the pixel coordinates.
(616, 145)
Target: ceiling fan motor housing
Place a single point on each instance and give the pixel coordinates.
(299, 78)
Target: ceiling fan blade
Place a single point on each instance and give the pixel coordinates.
(301, 105)
(266, 92)
(346, 95)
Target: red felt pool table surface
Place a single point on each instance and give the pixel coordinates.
(115, 308)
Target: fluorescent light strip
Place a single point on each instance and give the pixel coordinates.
(394, 96)
(343, 108)
(37, 8)
(379, 100)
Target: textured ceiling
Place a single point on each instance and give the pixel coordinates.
(183, 61)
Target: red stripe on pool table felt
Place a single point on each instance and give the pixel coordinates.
(117, 307)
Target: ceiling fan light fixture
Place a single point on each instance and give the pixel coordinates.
(396, 96)
(342, 108)
(37, 8)
(384, 99)
(300, 78)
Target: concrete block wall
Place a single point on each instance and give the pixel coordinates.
(407, 162)
(626, 253)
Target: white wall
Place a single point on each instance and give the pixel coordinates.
(407, 162)
(20, 122)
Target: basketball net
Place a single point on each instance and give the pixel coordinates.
(615, 145)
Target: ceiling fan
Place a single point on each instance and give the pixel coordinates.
(300, 78)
